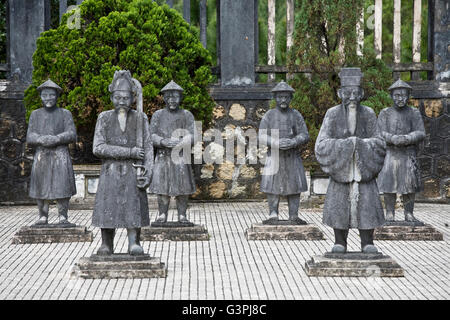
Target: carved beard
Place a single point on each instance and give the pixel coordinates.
(122, 117)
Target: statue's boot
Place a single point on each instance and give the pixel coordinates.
(107, 246)
(63, 209)
(134, 245)
(340, 241)
(389, 202)
(43, 211)
(408, 206)
(274, 201)
(293, 204)
(182, 204)
(163, 207)
(367, 245)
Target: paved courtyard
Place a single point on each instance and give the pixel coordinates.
(225, 267)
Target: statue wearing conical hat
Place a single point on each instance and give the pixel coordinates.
(350, 150)
(50, 130)
(172, 130)
(402, 128)
(122, 140)
(283, 130)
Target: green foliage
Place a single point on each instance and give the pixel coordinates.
(152, 41)
(2, 31)
(321, 26)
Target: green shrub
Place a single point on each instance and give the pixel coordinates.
(152, 41)
(319, 29)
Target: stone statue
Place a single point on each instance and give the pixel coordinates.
(283, 173)
(402, 128)
(350, 150)
(50, 130)
(122, 140)
(172, 178)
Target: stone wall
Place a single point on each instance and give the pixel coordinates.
(15, 159)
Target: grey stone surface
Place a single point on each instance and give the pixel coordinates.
(353, 265)
(350, 150)
(52, 233)
(226, 267)
(119, 266)
(402, 128)
(260, 231)
(441, 40)
(27, 20)
(167, 231)
(238, 39)
(398, 231)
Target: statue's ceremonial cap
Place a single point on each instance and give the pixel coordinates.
(350, 77)
(283, 87)
(49, 84)
(172, 86)
(122, 81)
(400, 84)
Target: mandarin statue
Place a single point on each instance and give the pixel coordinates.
(402, 128)
(50, 130)
(350, 150)
(122, 140)
(283, 130)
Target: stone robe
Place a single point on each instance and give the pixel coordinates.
(352, 199)
(52, 172)
(119, 203)
(401, 173)
(290, 177)
(170, 178)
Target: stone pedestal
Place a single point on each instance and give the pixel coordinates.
(353, 264)
(119, 265)
(405, 230)
(52, 233)
(283, 230)
(174, 231)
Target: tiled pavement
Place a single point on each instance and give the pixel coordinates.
(226, 267)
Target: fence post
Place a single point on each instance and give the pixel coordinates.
(378, 27)
(203, 22)
(187, 10)
(271, 38)
(22, 36)
(237, 42)
(417, 25)
(441, 41)
(396, 40)
(62, 8)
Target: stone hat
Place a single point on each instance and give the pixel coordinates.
(172, 86)
(350, 77)
(49, 84)
(283, 87)
(122, 81)
(400, 84)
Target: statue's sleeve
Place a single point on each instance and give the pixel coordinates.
(32, 135)
(154, 123)
(302, 136)
(370, 152)
(335, 156)
(382, 127)
(103, 150)
(263, 132)
(190, 126)
(148, 148)
(69, 135)
(418, 133)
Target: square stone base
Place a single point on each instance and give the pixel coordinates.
(403, 230)
(174, 231)
(284, 231)
(123, 266)
(52, 233)
(353, 264)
